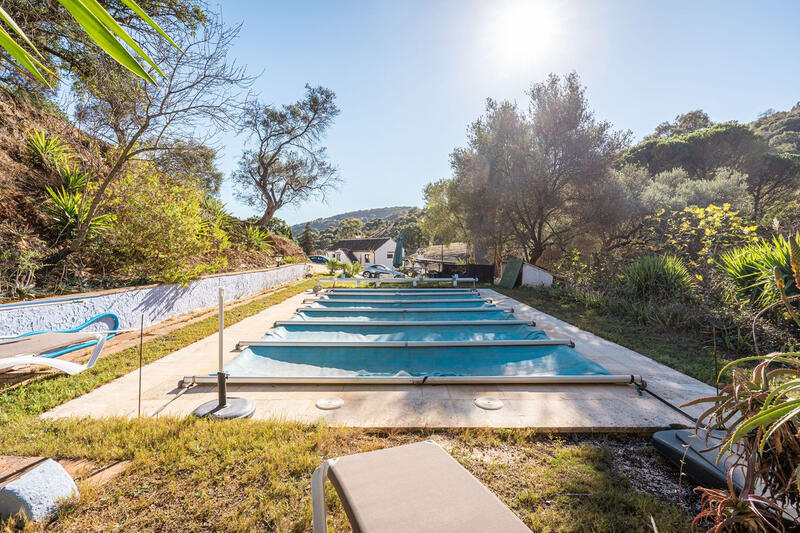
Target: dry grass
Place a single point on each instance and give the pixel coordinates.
(198, 475)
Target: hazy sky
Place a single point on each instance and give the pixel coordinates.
(411, 75)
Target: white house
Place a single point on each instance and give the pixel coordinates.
(365, 251)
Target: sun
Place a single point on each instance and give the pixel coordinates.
(522, 32)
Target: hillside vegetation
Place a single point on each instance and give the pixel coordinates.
(364, 215)
(150, 226)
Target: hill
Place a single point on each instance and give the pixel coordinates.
(365, 215)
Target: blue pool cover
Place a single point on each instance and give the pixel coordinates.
(352, 325)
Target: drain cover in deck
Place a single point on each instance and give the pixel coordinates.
(488, 403)
(327, 404)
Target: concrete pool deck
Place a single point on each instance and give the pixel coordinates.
(549, 408)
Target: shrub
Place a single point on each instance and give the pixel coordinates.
(352, 270)
(697, 234)
(162, 231)
(333, 265)
(750, 270)
(758, 414)
(657, 276)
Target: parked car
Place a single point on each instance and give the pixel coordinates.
(376, 271)
(318, 259)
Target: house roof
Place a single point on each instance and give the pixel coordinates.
(360, 245)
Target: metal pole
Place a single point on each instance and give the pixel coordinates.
(141, 337)
(221, 388)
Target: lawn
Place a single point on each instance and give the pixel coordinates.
(687, 351)
(198, 475)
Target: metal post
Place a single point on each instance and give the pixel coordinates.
(221, 387)
(224, 407)
(141, 340)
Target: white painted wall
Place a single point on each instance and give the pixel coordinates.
(533, 276)
(382, 256)
(155, 303)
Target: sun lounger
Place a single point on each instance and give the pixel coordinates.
(697, 456)
(417, 487)
(42, 347)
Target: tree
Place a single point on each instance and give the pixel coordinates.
(534, 168)
(349, 228)
(685, 123)
(279, 226)
(772, 177)
(781, 129)
(286, 165)
(87, 23)
(192, 163)
(137, 119)
(440, 219)
(307, 239)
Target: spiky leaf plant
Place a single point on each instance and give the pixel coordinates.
(759, 415)
(67, 212)
(752, 269)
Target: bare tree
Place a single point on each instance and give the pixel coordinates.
(286, 165)
(197, 100)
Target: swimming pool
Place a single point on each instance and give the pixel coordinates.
(410, 336)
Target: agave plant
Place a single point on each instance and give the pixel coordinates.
(759, 415)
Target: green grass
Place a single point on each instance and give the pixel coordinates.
(243, 475)
(685, 350)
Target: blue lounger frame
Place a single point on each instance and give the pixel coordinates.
(89, 322)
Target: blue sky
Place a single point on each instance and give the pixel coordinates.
(411, 75)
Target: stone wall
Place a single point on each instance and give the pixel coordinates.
(156, 303)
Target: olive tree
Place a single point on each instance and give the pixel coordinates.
(284, 163)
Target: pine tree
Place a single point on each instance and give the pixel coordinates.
(307, 239)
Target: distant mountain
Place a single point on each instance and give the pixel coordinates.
(386, 213)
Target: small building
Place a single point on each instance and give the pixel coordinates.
(365, 251)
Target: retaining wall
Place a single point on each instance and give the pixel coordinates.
(156, 303)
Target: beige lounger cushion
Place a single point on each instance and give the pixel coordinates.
(43, 343)
(417, 487)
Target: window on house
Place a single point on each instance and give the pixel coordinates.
(366, 258)
(389, 255)
(338, 256)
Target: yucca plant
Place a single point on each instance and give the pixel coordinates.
(218, 215)
(73, 179)
(351, 270)
(659, 275)
(67, 211)
(256, 238)
(49, 150)
(752, 269)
